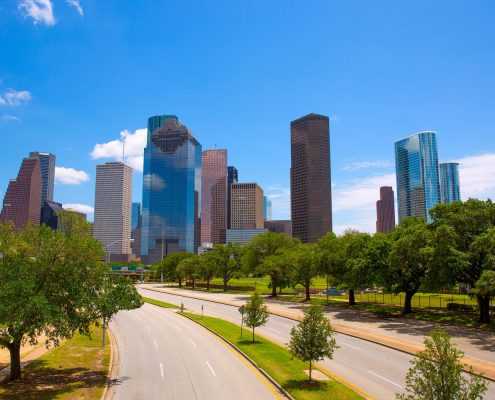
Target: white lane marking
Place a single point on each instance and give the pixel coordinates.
(385, 379)
(211, 369)
(155, 344)
(161, 371)
(350, 346)
(192, 342)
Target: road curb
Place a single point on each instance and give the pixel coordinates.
(111, 367)
(246, 357)
(477, 366)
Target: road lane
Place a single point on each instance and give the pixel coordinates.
(165, 356)
(378, 370)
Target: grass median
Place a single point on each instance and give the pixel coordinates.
(75, 370)
(278, 363)
(158, 303)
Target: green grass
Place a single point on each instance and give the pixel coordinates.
(76, 370)
(158, 303)
(278, 362)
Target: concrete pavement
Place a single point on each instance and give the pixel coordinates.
(165, 356)
(379, 371)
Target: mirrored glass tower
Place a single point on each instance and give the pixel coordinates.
(449, 182)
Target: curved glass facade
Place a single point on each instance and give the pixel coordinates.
(418, 185)
(171, 190)
(449, 182)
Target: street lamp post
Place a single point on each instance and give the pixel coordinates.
(107, 248)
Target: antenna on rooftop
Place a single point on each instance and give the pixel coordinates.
(123, 150)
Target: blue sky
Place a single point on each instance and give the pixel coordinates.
(75, 74)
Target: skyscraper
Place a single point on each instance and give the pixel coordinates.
(22, 201)
(112, 225)
(171, 206)
(247, 206)
(311, 198)
(47, 169)
(232, 177)
(449, 182)
(385, 210)
(135, 215)
(136, 230)
(213, 197)
(267, 208)
(416, 165)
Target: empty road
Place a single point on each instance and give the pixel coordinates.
(165, 356)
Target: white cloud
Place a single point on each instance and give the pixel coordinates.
(70, 176)
(10, 118)
(153, 182)
(15, 98)
(477, 176)
(82, 208)
(355, 166)
(76, 4)
(41, 11)
(134, 148)
(280, 198)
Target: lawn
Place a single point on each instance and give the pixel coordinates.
(76, 370)
(279, 363)
(158, 302)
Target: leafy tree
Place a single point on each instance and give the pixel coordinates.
(168, 266)
(189, 269)
(208, 267)
(305, 265)
(485, 290)
(409, 259)
(51, 283)
(229, 258)
(313, 338)
(436, 373)
(260, 249)
(331, 260)
(255, 312)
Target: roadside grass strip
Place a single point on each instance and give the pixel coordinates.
(76, 370)
(158, 303)
(277, 361)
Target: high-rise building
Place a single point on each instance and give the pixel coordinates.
(385, 210)
(232, 177)
(56, 217)
(279, 226)
(171, 206)
(22, 201)
(136, 230)
(47, 169)
(135, 215)
(247, 206)
(213, 197)
(112, 224)
(267, 208)
(416, 165)
(449, 182)
(243, 236)
(311, 197)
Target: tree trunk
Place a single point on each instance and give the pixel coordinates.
(352, 298)
(328, 279)
(308, 295)
(310, 369)
(208, 284)
(274, 288)
(253, 334)
(194, 284)
(104, 326)
(225, 280)
(484, 306)
(180, 282)
(15, 360)
(407, 303)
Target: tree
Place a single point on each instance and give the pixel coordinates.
(51, 283)
(229, 261)
(208, 267)
(255, 312)
(485, 290)
(409, 259)
(313, 338)
(168, 266)
(189, 269)
(305, 265)
(436, 373)
(331, 260)
(260, 249)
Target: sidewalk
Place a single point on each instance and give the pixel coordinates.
(400, 334)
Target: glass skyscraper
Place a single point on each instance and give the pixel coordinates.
(171, 190)
(47, 169)
(449, 182)
(135, 215)
(418, 184)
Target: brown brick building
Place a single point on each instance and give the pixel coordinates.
(311, 197)
(385, 210)
(247, 206)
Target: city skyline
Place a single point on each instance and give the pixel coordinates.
(365, 84)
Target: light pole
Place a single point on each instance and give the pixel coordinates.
(107, 248)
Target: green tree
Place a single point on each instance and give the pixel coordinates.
(436, 373)
(485, 290)
(255, 312)
(51, 283)
(168, 267)
(304, 260)
(331, 260)
(313, 338)
(229, 261)
(260, 249)
(208, 267)
(189, 269)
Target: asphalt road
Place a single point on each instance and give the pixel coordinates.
(165, 356)
(378, 370)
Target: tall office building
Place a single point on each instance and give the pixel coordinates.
(171, 206)
(213, 197)
(279, 226)
(311, 197)
(385, 210)
(22, 201)
(267, 208)
(416, 165)
(112, 224)
(449, 183)
(135, 215)
(136, 230)
(232, 177)
(247, 206)
(47, 169)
